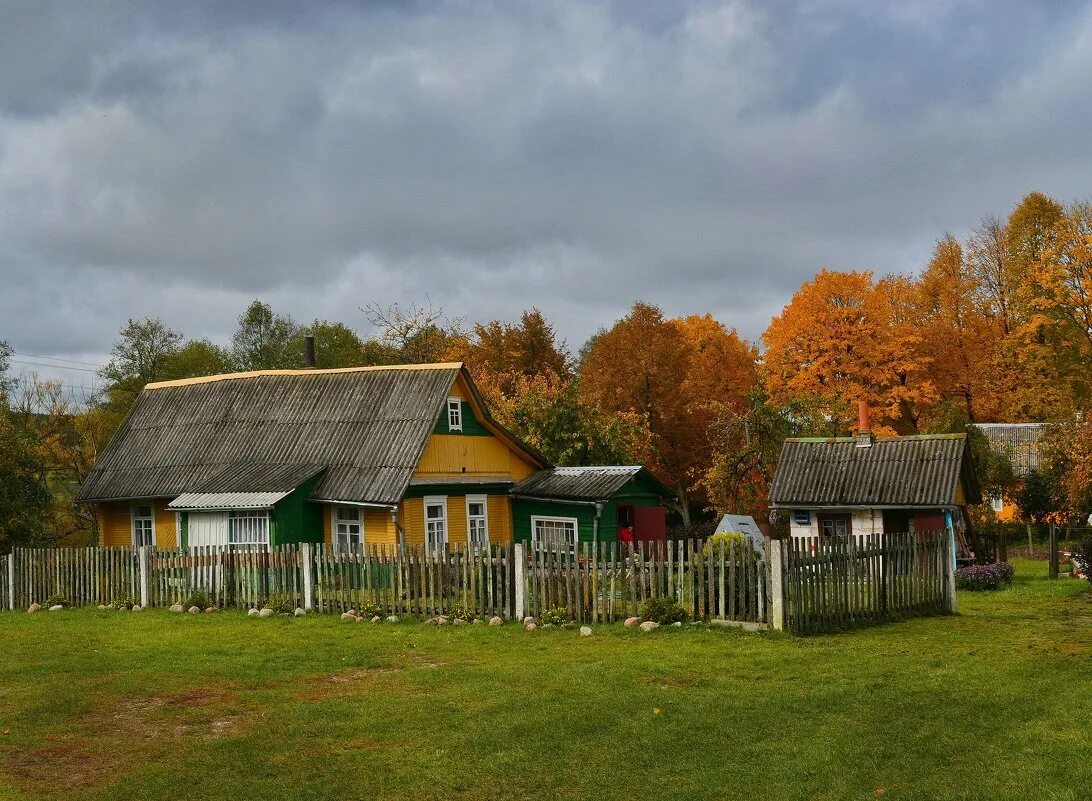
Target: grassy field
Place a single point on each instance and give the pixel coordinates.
(995, 703)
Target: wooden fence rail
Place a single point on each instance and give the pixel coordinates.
(602, 584)
(832, 584)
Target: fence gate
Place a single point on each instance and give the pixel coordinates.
(830, 583)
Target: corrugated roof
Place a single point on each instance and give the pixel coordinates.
(470, 481)
(226, 500)
(248, 477)
(919, 471)
(577, 483)
(1018, 441)
(366, 427)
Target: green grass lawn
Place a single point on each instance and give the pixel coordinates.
(995, 703)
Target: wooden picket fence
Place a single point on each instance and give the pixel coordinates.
(608, 583)
(83, 576)
(866, 579)
(243, 578)
(602, 584)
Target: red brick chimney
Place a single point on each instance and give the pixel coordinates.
(864, 426)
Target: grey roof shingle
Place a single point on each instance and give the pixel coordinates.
(919, 471)
(366, 427)
(1018, 441)
(578, 483)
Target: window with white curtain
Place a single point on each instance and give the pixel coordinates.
(477, 521)
(554, 533)
(347, 529)
(436, 523)
(143, 525)
(248, 527)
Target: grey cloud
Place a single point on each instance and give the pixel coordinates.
(180, 159)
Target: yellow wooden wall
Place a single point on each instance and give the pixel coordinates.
(379, 529)
(116, 524)
(411, 514)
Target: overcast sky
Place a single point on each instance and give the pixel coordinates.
(182, 158)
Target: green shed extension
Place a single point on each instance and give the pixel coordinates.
(571, 505)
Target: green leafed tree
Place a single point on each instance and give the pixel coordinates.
(336, 345)
(141, 354)
(24, 494)
(265, 340)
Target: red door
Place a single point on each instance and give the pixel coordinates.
(649, 524)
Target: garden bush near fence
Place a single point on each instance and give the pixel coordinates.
(984, 577)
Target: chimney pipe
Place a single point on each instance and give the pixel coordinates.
(864, 425)
(309, 351)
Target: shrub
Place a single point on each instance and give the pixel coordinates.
(731, 539)
(556, 616)
(56, 599)
(198, 598)
(281, 604)
(460, 612)
(984, 577)
(1082, 557)
(370, 609)
(663, 611)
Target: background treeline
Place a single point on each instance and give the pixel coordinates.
(995, 328)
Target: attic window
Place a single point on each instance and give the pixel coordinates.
(454, 414)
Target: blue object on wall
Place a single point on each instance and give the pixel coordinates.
(802, 517)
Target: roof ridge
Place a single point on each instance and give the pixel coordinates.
(206, 379)
(904, 438)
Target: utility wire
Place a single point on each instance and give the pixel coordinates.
(56, 359)
(53, 366)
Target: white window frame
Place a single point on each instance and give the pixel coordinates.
(134, 517)
(537, 541)
(454, 414)
(483, 518)
(444, 523)
(250, 515)
(997, 502)
(335, 535)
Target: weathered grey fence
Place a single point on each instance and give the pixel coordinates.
(833, 584)
(602, 584)
(83, 576)
(722, 581)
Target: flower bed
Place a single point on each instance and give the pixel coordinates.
(984, 577)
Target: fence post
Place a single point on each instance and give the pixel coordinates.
(306, 559)
(519, 585)
(951, 568)
(145, 575)
(10, 600)
(777, 587)
(1053, 564)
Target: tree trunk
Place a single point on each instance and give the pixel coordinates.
(682, 506)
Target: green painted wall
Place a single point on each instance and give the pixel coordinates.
(471, 426)
(523, 510)
(184, 530)
(295, 519)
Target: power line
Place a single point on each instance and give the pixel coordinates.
(56, 359)
(53, 366)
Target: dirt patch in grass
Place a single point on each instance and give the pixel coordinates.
(354, 682)
(118, 735)
(60, 766)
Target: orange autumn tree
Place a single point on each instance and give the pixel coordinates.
(1061, 288)
(961, 343)
(843, 339)
(676, 377)
(523, 371)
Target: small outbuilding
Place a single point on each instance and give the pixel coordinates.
(833, 487)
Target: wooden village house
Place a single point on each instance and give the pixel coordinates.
(396, 456)
(1019, 442)
(833, 487)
